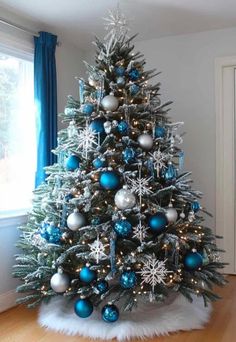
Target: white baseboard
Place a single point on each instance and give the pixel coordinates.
(7, 300)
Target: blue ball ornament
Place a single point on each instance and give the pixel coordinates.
(102, 286)
(123, 228)
(51, 233)
(87, 275)
(134, 74)
(129, 155)
(119, 71)
(134, 89)
(97, 125)
(195, 206)
(169, 173)
(192, 261)
(128, 279)
(123, 127)
(99, 162)
(109, 180)
(110, 313)
(72, 163)
(158, 223)
(83, 308)
(160, 132)
(87, 108)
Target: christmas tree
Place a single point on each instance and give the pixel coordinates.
(117, 221)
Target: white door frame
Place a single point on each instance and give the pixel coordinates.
(225, 158)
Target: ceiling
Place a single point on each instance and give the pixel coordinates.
(78, 20)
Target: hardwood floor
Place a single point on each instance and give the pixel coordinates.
(20, 324)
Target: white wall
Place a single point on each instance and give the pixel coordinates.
(187, 66)
(69, 64)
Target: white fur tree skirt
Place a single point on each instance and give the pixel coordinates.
(146, 321)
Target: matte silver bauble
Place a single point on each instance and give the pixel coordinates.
(110, 103)
(75, 221)
(125, 199)
(145, 141)
(60, 282)
(171, 215)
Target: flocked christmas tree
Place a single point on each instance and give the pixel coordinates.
(117, 220)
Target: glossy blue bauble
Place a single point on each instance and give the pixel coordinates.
(51, 233)
(129, 155)
(160, 132)
(123, 228)
(109, 180)
(169, 173)
(110, 313)
(192, 261)
(123, 127)
(158, 223)
(119, 71)
(128, 279)
(99, 162)
(134, 89)
(83, 308)
(97, 125)
(102, 286)
(87, 108)
(195, 206)
(134, 74)
(72, 163)
(87, 275)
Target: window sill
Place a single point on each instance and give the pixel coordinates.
(14, 218)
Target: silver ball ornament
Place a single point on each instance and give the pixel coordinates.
(114, 123)
(75, 221)
(107, 127)
(145, 141)
(125, 199)
(120, 81)
(110, 103)
(60, 282)
(171, 215)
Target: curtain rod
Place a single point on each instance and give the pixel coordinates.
(21, 28)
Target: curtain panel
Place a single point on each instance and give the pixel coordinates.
(45, 94)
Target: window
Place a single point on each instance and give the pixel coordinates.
(17, 133)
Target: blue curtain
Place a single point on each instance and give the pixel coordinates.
(45, 93)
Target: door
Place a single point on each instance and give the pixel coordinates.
(225, 159)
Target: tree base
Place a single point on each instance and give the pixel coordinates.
(147, 320)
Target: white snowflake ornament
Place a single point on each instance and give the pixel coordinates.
(97, 250)
(140, 232)
(154, 272)
(87, 141)
(159, 159)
